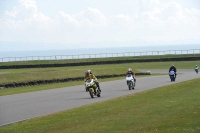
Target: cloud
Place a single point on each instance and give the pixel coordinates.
(12, 13)
(89, 18)
(154, 22)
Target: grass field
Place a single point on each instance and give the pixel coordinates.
(20, 75)
(170, 109)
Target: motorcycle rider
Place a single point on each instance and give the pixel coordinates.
(131, 72)
(171, 72)
(172, 75)
(174, 68)
(196, 68)
(90, 75)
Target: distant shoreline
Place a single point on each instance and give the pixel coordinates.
(80, 51)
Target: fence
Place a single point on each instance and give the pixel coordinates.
(100, 55)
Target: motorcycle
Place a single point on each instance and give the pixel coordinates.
(91, 87)
(196, 70)
(172, 75)
(130, 81)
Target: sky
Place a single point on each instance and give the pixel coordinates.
(66, 24)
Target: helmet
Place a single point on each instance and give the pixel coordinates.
(129, 69)
(89, 71)
(86, 73)
(172, 64)
(196, 65)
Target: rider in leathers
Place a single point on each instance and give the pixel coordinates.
(174, 68)
(89, 75)
(196, 68)
(130, 72)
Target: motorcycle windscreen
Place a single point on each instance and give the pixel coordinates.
(129, 75)
(88, 81)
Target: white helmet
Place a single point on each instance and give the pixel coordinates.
(89, 71)
(129, 69)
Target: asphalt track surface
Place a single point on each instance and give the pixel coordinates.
(19, 107)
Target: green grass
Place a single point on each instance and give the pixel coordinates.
(97, 59)
(170, 109)
(20, 75)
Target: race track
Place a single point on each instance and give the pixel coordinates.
(19, 107)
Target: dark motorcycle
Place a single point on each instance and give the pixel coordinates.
(172, 75)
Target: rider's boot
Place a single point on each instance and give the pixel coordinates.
(98, 86)
(134, 81)
(95, 92)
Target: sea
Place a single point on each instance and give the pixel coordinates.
(6, 56)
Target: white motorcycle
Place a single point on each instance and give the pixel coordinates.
(130, 81)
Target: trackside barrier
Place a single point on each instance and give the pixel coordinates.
(100, 55)
(100, 62)
(51, 81)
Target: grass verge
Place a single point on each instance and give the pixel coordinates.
(170, 109)
(21, 75)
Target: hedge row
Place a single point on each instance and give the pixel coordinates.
(99, 62)
(39, 82)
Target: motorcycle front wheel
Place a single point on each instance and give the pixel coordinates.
(129, 86)
(91, 93)
(133, 86)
